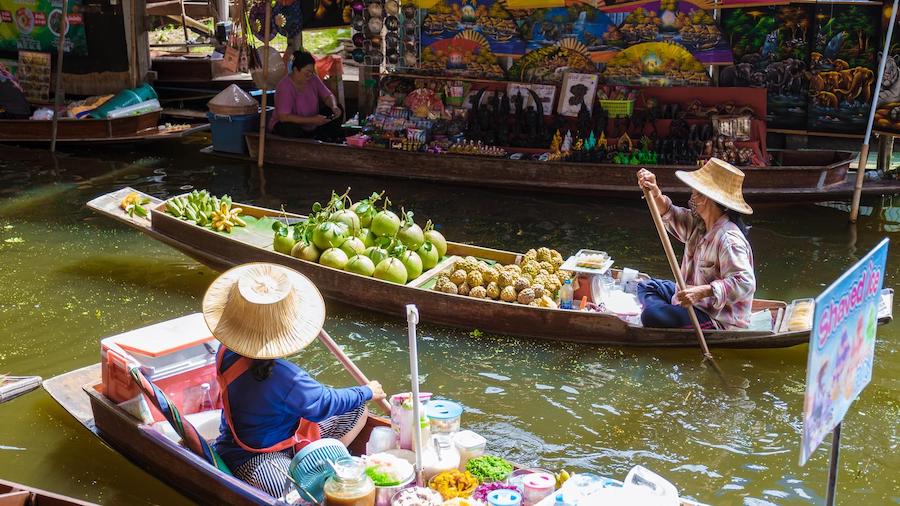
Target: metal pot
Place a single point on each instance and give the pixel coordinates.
(383, 495)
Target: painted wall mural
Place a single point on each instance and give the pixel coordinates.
(842, 63)
(771, 50)
(887, 116)
(447, 18)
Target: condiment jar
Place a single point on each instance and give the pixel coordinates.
(349, 486)
(469, 445)
(438, 457)
(444, 416)
(537, 486)
(504, 497)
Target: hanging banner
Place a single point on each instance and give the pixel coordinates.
(32, 25)
(841, 347)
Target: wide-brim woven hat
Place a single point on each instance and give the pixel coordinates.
(720, 181)
(263, 310)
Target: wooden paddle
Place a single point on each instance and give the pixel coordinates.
(349, 365)
(679, 280)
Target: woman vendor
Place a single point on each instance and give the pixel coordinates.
(272, 408)
(718, 262)
(304, 106)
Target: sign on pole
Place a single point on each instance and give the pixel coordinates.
(841, 347)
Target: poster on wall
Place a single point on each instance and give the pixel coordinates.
(577, 90)
(681, 22)
(33, 25)
(771, 50)
(887, 116)
(489, 18)
(843, 60)
(841, 347)
(545, 92)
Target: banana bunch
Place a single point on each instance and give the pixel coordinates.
(205, 210)
(134, 204)
(561, 478)
(226, 218)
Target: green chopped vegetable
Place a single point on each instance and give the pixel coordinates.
(488, 468)
(381, 479)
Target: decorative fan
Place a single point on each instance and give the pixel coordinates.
(574, 45)
(257, 20)
(288, 18)
(472, 35)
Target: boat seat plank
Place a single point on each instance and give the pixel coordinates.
(16, 498)
(68, 390)
(433, 272)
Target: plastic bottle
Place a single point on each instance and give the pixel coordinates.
(206, 403)
(566, 293)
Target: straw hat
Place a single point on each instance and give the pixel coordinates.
(264, 311)
(720, 181)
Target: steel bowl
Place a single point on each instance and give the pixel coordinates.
(384, 495)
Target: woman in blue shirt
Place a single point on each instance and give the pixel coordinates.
(271, 407)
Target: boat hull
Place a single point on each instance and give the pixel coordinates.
(801, 175)
(221, 251)
(130, 128)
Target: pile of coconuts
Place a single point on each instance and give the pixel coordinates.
(364, 238)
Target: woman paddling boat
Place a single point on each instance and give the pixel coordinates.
(718, 261)
(272, 408)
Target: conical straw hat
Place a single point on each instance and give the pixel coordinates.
(720, 181)
(264, 311)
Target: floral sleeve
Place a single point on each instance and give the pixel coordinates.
(678, 221)
(738, 282)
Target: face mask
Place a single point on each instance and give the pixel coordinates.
(693, 205)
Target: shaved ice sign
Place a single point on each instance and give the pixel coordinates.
(841, 347)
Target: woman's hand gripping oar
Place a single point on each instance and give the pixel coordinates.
(679, 280)
(349, 366)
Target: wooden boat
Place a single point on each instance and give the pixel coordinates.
(14, 386)
(797, 175)
(15, 494)
(80, 392)
(220, 251)
(141, 127)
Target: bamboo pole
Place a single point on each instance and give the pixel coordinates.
(265, 88)
(58, 91)
(679, 280)
(348, 364)
(864, 149)
(184, 26)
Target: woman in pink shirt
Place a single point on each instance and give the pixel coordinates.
(304, 106)
(718, 261)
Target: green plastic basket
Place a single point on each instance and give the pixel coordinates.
(618, 108)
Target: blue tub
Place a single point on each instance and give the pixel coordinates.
(228, 131)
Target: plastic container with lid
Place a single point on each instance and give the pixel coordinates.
(469, 445)
(537, 486)
(349, 486)
(402, 418)
(504, 497)
(444, 416)
(438, 457)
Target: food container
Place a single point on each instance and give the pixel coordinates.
(504, 498)
(349, 486)
(469, 445)
(439, 457)
(381, 439)
(402, 418)
(537, 486)
(385, 495)
(417, 496)
(444, 416)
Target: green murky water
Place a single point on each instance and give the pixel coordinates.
(69, 278)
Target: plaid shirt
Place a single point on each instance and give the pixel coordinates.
(721, 258)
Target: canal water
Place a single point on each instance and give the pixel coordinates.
(69, 278)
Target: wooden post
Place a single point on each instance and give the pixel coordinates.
(864, 149)
(265, 87)
(60, 51)
(187, 48)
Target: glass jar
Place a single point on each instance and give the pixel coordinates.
(438, 457)
(349, 486)
(444, 416)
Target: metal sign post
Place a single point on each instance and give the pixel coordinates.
(833, 466)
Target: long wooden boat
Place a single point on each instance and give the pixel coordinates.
(80, 392)
(16, 494)
(220, 251)
(798, 175)
(141, 127)
(14, 386)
